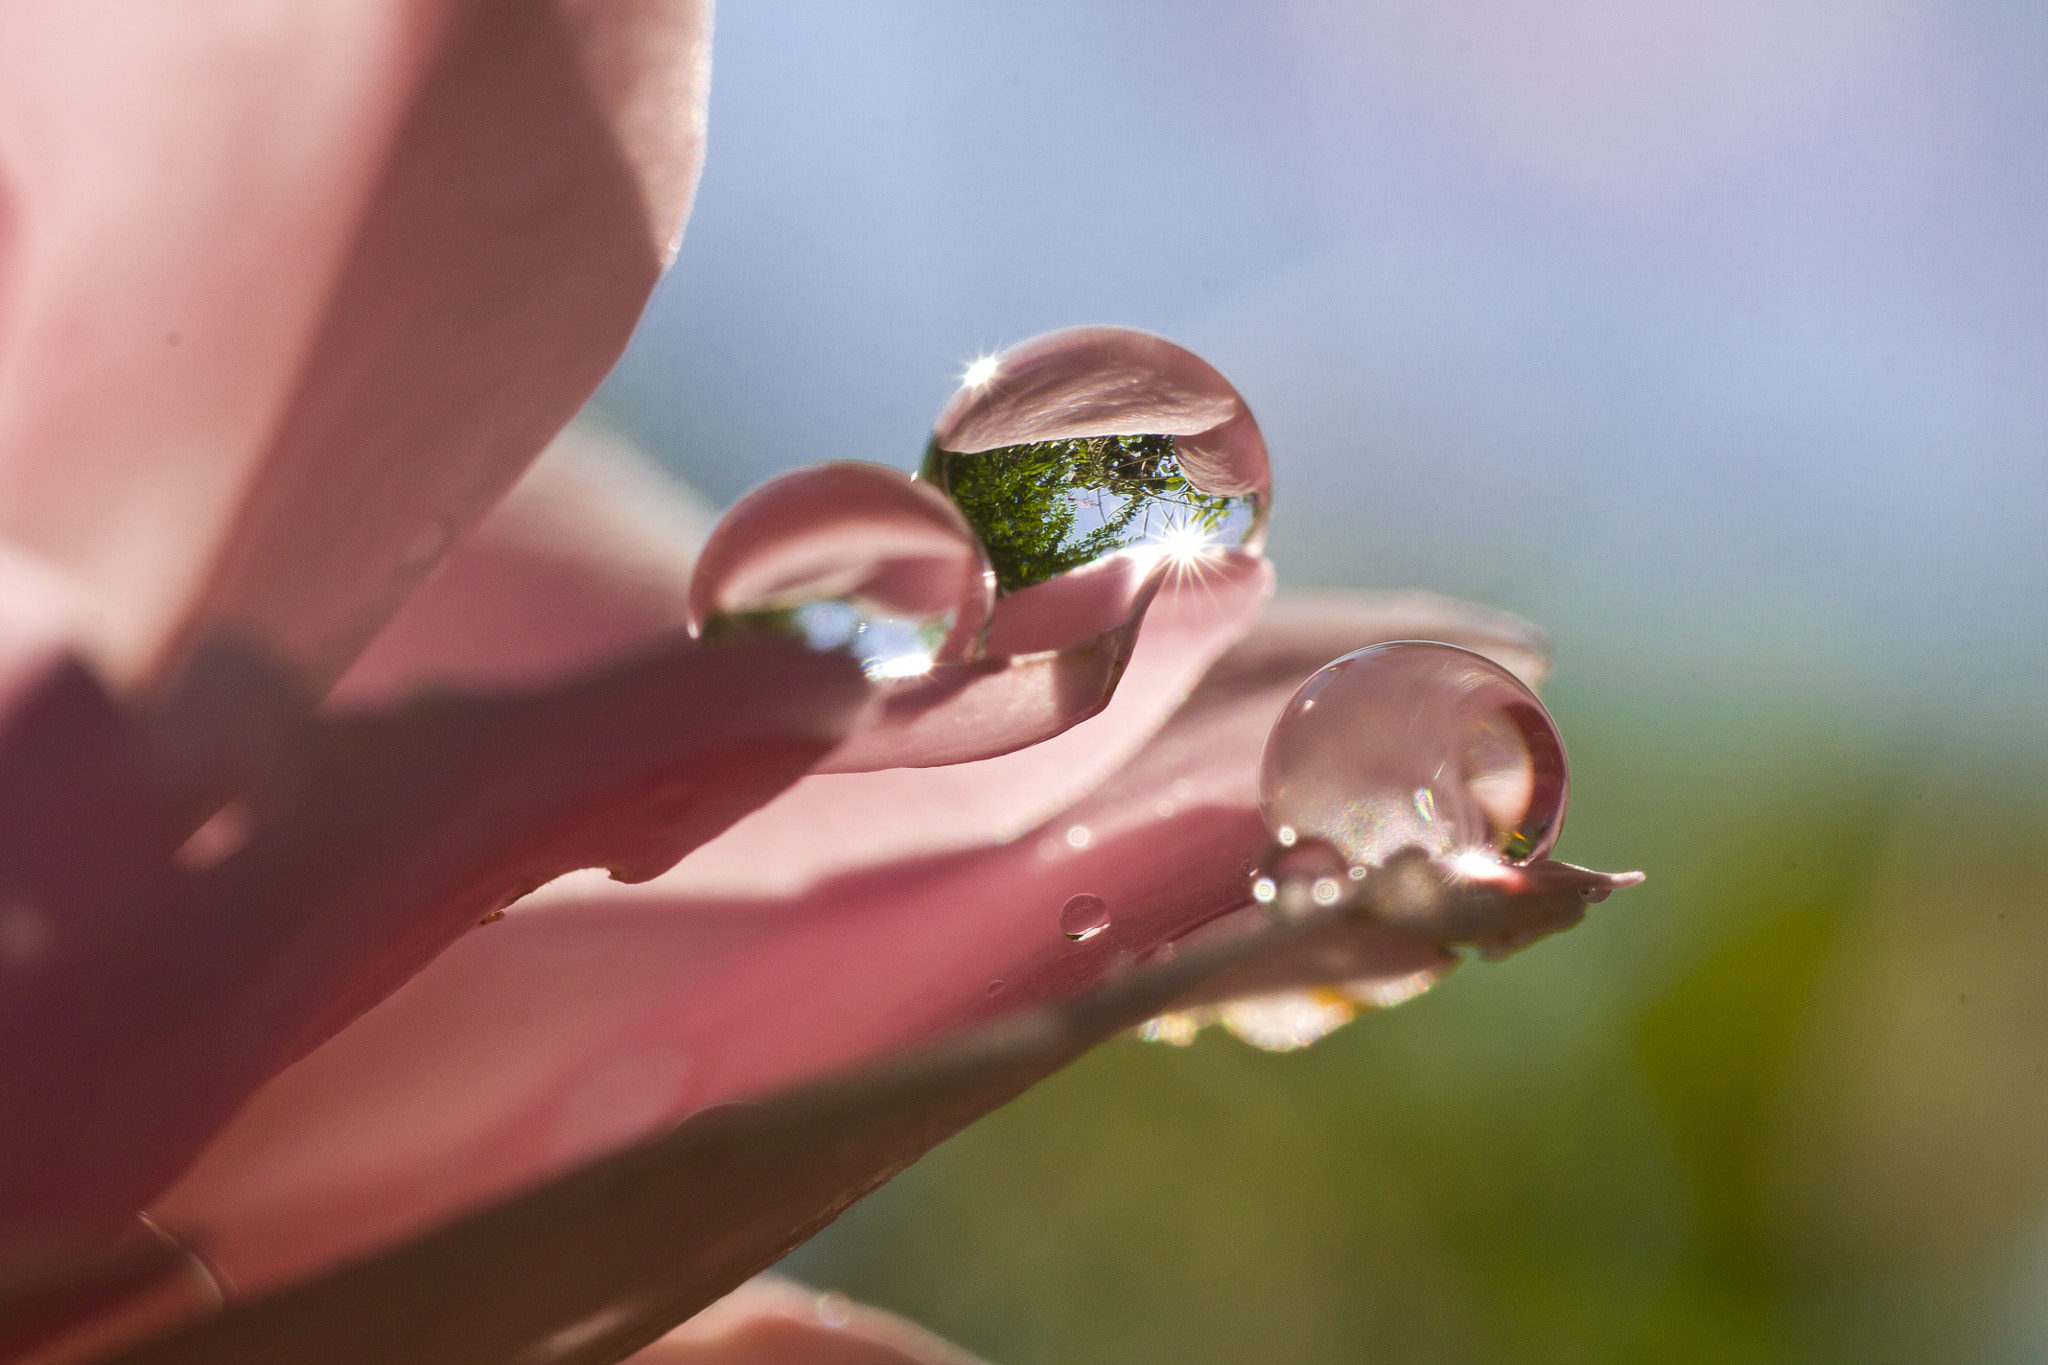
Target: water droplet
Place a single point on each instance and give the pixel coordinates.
(1296, 879)
(1416, 745)
(1285, 834)
(1083, 917)
(995, 987)
(1282, 1023)
(1078, 836)
(1096, 441)
(847, 556)
(1163, 809)
(834, 1309)
(1175, 1030)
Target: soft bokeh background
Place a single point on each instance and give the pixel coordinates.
(1712, 334)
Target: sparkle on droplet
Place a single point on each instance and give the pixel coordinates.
(1096, 441)
(847, 557)
(1078, 836)
(1416, 745)
(1285, 834)
(1083, 917)
(834, 1309)
(1296, 877)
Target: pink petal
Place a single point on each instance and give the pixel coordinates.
(592, 1014)
(773, 1322)
(177, 986)
(288, 296)
(834, 823)
(585, 562)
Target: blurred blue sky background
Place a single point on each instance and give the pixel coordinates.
(1710, 333)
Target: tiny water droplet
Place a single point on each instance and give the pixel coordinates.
(835, 1309)
(995, 987)
(1416, 745)
(1048, 848)
(1285, 834)
(1163, 808)
(1085, 443)
(1083, 917)
(1299, 877)
(492, 918)
(1078, 836)
(847, 556)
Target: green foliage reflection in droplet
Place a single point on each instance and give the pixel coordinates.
(1030, 504)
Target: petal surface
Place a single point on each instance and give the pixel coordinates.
(592, 1014)
(290, 294)
(175, 971)
(768, 1321)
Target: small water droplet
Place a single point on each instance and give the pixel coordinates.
(847, 556)
(1048, 848)
(1164, 809)
(1295, 879)
(835, 1309)
(1416, 745)
(995, 987)
(1095, 441)
(1285, 834)
(1078, 836)
(1182, 789)
(492, 918)
(1083, 917)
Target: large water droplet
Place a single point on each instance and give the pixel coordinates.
(1083, 917)
(847, 556)
(1416, 745)
(1095, 441)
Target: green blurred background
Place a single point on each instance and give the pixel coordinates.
(1710, 334)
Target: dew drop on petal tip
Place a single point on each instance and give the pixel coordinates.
(1416, 745)
(852, 557)
(1095, 441)
(1083, 917)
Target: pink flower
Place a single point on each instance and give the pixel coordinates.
(290, 298)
